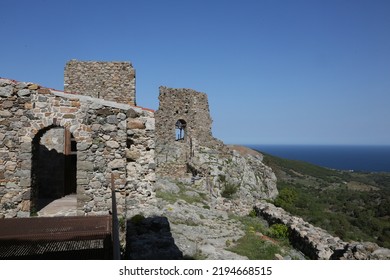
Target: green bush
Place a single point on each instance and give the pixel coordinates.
(252, 213)
(287, 196)
(279, 231)
(229, 190)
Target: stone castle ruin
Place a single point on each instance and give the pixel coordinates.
(55, 143)
(71, 144)
(184, 124)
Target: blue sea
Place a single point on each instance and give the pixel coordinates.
(356, 158)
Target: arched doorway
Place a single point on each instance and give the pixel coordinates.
(54, 166)
(180, 130)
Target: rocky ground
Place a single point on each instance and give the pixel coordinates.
(200, 215)
(184, 216)
(199, 206)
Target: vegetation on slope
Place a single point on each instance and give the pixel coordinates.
(262, 242)
(351, 205)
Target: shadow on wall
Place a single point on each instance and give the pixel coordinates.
(150, 239)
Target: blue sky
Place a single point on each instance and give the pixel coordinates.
(275, 71)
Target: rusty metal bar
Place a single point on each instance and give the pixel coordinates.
(115, 223)
(56, 238)
(55, 228)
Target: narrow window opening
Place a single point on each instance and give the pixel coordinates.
(180, 130)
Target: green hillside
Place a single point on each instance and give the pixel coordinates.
(351, 205)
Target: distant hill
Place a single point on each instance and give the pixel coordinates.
(351, 205)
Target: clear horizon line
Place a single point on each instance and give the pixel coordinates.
(308, 144)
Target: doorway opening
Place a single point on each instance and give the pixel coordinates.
(54, 166)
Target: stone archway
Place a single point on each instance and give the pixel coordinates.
(54, 166)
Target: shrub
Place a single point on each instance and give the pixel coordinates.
(229, 190)
(279, 231)
(252, 213)
(287, 196)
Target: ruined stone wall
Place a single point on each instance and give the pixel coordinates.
(113, 81)
(111, 138)
(315, 242)
(192, 107)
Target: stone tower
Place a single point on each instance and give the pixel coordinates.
(183, 124)
(113, 81)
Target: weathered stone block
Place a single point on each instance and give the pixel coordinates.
(69, 116)
(81, 174)
(5, 82)
(133, 155)
(112, 119)
(104, 112)
(27, 195)
(83, 146)
(68, 110)
(33, 87)
(150, 124)
(5, 114)
(23, 92)
(40, 105)
(25, 182)
(121, 116)
(117, 163)
(28, 106)
(10, 166)
(85, 165)
(26, 205)
(131, 113)
(25, 147)
(112, 144)
(44, 91)
(82, 181)
(8, 104)
(108, 127)
(96, 127)
(42, 98)
(6, 91)
(135, 124)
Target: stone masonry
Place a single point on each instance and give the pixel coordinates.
(191, 108)
(113, 81)
(317, 243)
(109, 137)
